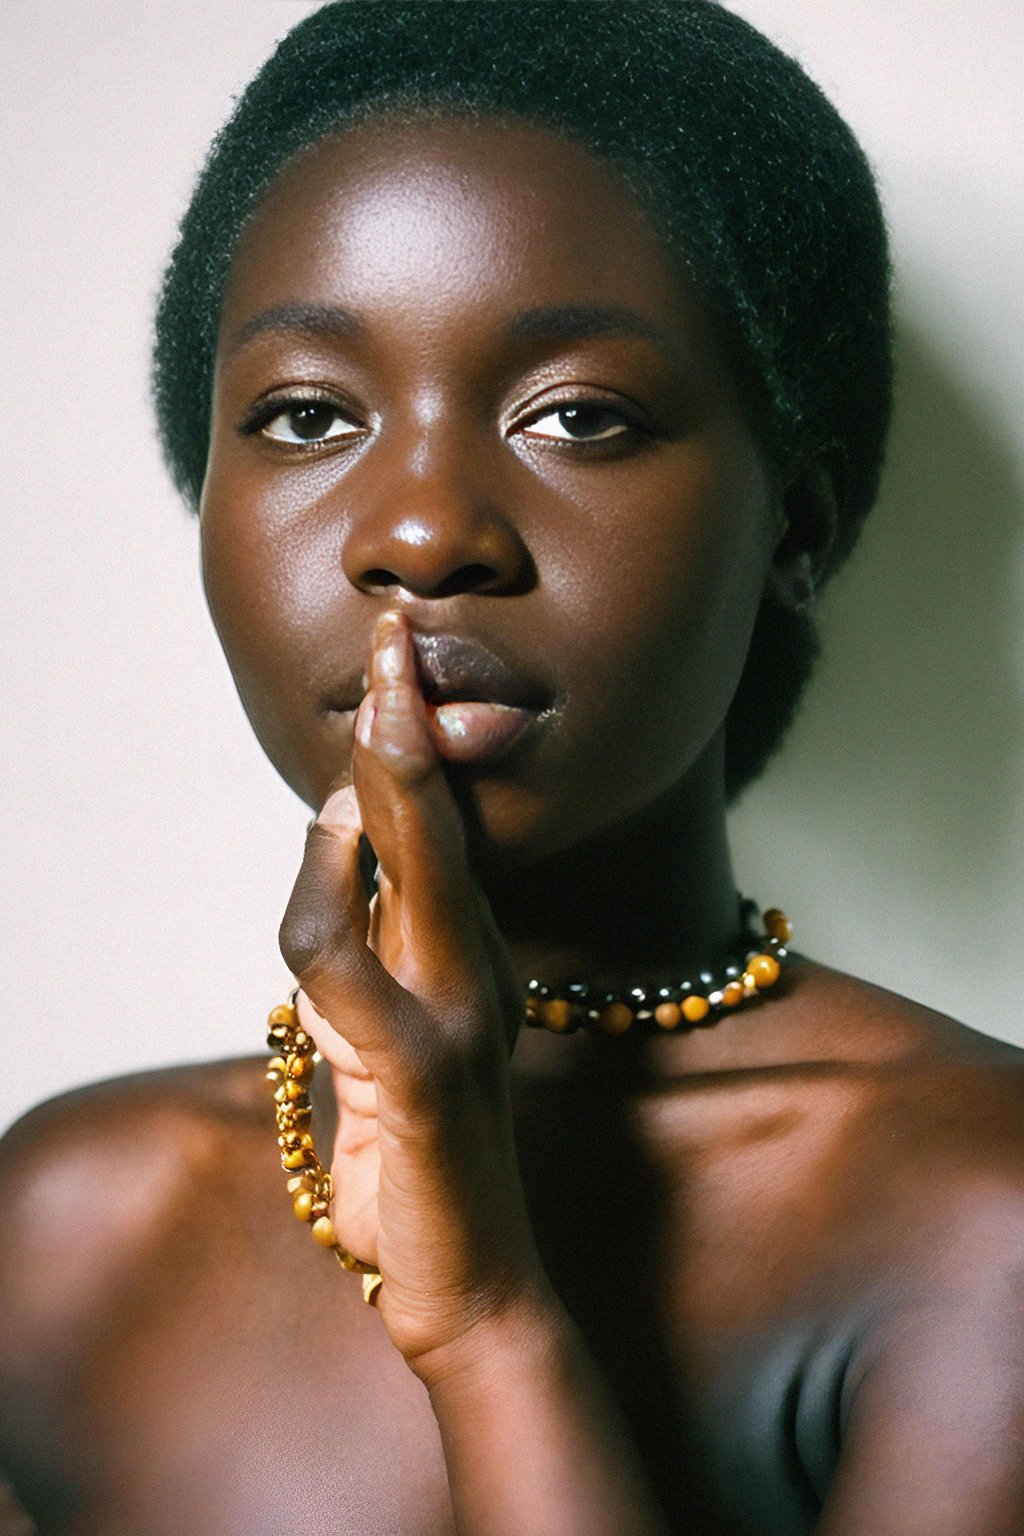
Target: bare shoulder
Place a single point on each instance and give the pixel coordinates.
(937, 1143)
(91, 1184)
(931, 1182)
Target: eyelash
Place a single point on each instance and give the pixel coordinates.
(264, 412)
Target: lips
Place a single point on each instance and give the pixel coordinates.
(452, 668)
(478, 703)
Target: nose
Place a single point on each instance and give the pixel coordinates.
(435, 534)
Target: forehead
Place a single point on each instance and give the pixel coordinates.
(440, 216)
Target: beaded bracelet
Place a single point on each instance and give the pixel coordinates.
(290, 1072)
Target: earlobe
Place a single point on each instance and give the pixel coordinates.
(810, 520)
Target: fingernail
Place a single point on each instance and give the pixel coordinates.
(364, 719)
(341, 810)
(390, 653)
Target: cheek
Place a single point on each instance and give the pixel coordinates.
(681, 584)
(265, 608)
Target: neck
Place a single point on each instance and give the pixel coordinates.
(648, 902)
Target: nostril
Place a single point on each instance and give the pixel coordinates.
(473, 577)
(380, 579)
(468, 578)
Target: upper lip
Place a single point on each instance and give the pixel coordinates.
(453, 667)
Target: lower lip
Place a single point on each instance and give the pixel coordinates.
(475, 732)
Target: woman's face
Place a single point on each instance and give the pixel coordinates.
(458, 375)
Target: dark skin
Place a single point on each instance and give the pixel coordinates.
(595, 1251)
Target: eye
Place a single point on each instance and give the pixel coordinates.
(298, 422)
(584, 421)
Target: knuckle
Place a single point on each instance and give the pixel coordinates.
(312, 929)
(306, 938)
(408, 763)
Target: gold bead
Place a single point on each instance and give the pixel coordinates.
(733, 993)
(299, 1066)
(280, 1094)
(299, 1182)
(765, 970)
(777, 925)
(302, 1042)
(293, 1090)
(324, 1233)
(535, 1010)
(667, 1015)
(558, 1014)
(284, 1013)
(695, 1008)
(302, 1205)
(300, 1158)
(615, 1018)
(371, 1288)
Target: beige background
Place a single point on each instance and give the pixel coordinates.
(149, 849)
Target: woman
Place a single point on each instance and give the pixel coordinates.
(540, 373)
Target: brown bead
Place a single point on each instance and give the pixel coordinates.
(765, 970)
(302, 1205)
(777, 925)
(559, 1014)
(615, 1018)
(667, 1015)
(535, 1010)
(324, 1233)
(695, 1008)
(733, 993)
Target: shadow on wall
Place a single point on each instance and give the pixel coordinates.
(911, 739)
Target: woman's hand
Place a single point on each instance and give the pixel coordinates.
(413, 1000)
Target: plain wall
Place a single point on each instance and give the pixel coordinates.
(150, 849)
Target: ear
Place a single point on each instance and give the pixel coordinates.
(809, 511)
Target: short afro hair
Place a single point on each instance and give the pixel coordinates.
(758, 187)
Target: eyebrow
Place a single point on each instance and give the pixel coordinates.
(312, 320)
(546, 322)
